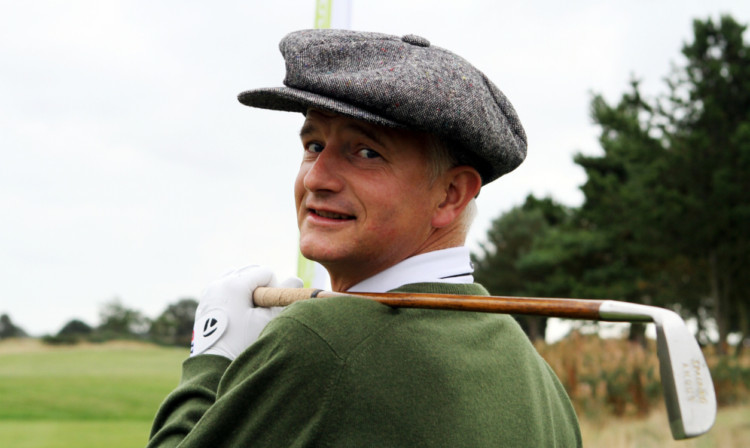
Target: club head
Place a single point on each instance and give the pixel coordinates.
(688, 389)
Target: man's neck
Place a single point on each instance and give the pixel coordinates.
(452, 265)
(347, 274)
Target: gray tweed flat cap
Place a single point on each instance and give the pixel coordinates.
(400, 82)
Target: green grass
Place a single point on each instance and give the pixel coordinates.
(92, 395)
(65, 434)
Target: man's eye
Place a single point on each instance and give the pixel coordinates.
(314, 147)
(367, 153)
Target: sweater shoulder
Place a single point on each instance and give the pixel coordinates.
(346, 322)
(341, 323)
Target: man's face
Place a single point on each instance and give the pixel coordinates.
(364, 197)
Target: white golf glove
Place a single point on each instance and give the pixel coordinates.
(226, 322)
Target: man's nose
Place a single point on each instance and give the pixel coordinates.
(325, 172)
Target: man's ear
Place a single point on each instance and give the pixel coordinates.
(461, 184)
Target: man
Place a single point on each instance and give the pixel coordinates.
(398, 138)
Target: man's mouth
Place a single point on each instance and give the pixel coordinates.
(331, 215)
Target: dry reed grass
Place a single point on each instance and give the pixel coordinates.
(615, 387)
(615, 376)
(732, 430)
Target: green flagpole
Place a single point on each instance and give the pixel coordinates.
(313, 275)
(323, 9)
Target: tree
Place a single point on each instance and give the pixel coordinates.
(669, 193)
(175, 325)
(620, 210)
(707, 115)
(71, 333)
(117, 321)
(8, 329)
(510, 238)
(75, 328)
(666, 210)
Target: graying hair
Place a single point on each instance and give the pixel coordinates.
(441, 157)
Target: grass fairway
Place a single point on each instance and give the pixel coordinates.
(44, 433)
(80, 396)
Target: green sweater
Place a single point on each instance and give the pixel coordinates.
(353, 372)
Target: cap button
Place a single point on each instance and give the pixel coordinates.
(413, 39)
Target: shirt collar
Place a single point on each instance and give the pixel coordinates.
(452, 265)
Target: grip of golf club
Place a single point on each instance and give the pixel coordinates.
(268, 297)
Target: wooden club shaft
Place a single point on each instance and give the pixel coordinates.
(568, 308)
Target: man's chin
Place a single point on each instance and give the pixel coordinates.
(319, 253)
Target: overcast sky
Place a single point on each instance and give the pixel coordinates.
(128, 169)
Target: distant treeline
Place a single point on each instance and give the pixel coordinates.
(8, 329)
(174, 326)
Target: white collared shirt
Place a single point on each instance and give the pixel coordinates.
(452, 265)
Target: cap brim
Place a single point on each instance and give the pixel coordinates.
(295, 100)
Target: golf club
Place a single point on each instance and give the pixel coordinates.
(688, 389)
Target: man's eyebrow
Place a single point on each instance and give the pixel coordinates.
(306, 130)
(366, 131)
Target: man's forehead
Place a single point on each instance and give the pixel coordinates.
(316, 118)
